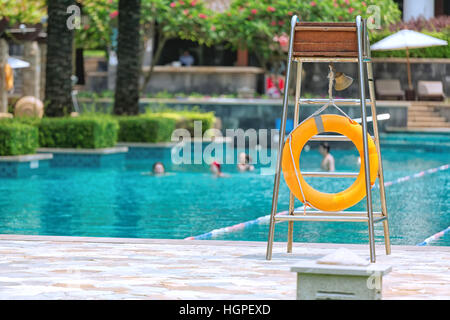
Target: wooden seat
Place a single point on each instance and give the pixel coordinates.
(325, 39)
(430, 90)
(389, 89)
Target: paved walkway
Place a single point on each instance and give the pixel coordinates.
(39, 267)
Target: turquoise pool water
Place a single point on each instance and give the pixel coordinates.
(119, 201)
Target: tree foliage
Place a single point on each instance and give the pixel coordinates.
(182, 19)
(23, 11)
(187, 20)
(99, 17)
(261, 25)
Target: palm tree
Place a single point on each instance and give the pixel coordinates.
(128, 55)
(58, 85)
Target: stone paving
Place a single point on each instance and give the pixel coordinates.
(41, 267)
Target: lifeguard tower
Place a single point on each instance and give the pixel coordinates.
(338, 42)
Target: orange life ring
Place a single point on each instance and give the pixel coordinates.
(9, 77)
(321, 200)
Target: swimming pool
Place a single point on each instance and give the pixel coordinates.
(119, 201)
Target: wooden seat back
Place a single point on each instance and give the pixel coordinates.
(325, 39)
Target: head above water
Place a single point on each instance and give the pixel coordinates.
(244, 158)
(324, 148)
(158, 168)
(215, 167)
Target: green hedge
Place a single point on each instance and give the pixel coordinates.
(185, 119)
(158, 126)
(78, 132)
(145, 128)
(17, 138)
(430, 52)
(101, 131)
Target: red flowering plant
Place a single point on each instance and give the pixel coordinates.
(182, 19)
(262, 26)
(99, 18)
(169, 19)
(378, 12)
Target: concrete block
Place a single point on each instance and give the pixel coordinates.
(336, 282)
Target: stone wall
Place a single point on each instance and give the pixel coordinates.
(205, 80)
(263, 115)
(259, 113)
(316, 82)
(213, 80)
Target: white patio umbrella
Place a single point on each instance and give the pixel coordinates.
(17, 63)
(405, 40)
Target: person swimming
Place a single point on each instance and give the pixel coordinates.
(327, 163)
(215, 169)
(158, 168)
(244, 162)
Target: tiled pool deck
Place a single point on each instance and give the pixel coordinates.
(41, 267)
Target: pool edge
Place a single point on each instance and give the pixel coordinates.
(379, 247)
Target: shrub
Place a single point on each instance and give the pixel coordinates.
(32, 121)
(17, 138)
(420, 24)
(145, 128)
(185, 119)
(78, 132)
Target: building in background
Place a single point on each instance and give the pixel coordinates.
(413, 9)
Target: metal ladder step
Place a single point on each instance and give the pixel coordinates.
(348, 213)
(328, 219)
(331, 138)
(331, 174)
(328, 59)
(331, 216)
(336, 101)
